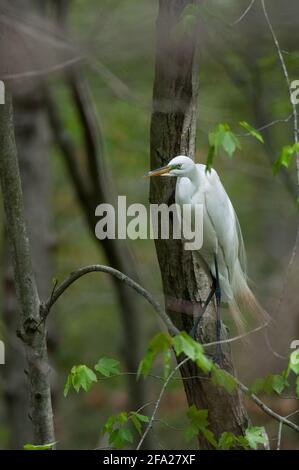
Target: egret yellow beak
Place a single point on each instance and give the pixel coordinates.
(159, 171)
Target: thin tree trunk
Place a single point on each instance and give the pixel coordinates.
(33, 338)
(32, 138)
(100, 189)
(173, 132)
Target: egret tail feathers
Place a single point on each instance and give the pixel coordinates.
(244, 304)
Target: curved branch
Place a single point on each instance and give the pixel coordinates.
(74, 276)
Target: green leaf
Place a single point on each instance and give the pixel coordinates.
(137, 420)
(227, 441)
(210, 158)
(257, 386)
(223, 137)
(118, 433)
(271, 383)
(39, 447)
(221, 378)
(80, 377)
(255, 435)
(120, 436)
(279, 383)
(285, 158)
(160, 343)
(107, 366)
(199, 424)
(183, 343)
(243, 442)
(190, 433)
(297, 386)
(255, 133)
(230, 143)
(67, 385)
(294, 361)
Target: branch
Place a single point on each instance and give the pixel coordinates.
(67, 146)
(150, 424)
(244, 13)
(263, 406)
(280, 429)
(281, 419)
(74, 276)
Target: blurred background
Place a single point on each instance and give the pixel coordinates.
(82, 75)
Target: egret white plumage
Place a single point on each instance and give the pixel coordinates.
(222, 254)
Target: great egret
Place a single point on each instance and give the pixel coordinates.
(222, 254)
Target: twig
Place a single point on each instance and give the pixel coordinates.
(150, 424)
(235, 338)
(74, 276)
(280, 429)
(46, 71)
(281, 419)
(288, 81)
(266, 126)
(263, 406)
(244, 13)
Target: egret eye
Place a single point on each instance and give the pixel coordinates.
(178, 166)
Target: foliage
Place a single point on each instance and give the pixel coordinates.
(39, 447)
(285, 158)
(80, 377)
(255, 435)
(252, 131)
(160, 343)
(279, 382)
(107, 366)
(199, 424)
(118, 428)
(223, 137)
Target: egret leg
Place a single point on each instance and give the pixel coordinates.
(218, 358)
(193, 331)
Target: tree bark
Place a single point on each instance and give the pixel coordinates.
(31, 331)
(173, 132)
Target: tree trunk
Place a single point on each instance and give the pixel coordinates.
(173, 132)
(31, 331)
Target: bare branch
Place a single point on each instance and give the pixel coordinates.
(46, 71)
(74, 276)
(288, 81)
(266, 126)
(150, 424)
(244, 13)
(280, 429)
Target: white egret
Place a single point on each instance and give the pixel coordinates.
(222, 254)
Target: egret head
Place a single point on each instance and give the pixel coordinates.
(178, 166)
